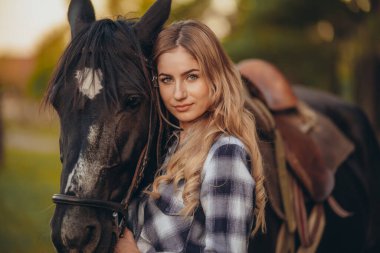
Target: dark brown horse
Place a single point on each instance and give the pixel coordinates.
(111, 137)
(109, 124)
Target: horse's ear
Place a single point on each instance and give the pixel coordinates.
(81, 13)
(148, 27)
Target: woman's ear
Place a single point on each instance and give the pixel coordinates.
(81, 13)
(148, 27)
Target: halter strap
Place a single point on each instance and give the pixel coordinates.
(72, 200)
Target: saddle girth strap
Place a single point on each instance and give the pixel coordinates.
(309, 227)
(285, 183)
(337, 208)
(316, 222)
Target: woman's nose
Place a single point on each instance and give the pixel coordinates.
(180, 91)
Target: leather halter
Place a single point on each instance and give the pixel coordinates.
(119, 223)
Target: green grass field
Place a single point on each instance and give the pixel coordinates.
(27, 181)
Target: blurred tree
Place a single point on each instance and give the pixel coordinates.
(367, 67)
(181, 9)
(47, 57)
(330, 45)
(1, 131)
(302, 37)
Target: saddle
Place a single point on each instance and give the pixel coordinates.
(268, 84)
(308, 150)
(306, 134)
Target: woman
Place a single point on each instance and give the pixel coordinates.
(209, 194)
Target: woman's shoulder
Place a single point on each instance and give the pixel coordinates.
(227, 145)
(227, 149)
(227, 160)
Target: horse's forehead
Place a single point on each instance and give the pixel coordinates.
(89, 81)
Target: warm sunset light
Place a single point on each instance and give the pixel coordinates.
(23, 23)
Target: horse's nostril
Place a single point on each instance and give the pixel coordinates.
(80, 240)
(90, 231)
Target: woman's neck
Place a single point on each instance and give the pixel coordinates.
(182, 136)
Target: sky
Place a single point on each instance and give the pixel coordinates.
(23, 23)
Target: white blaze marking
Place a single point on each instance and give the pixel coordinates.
(86, 170)
(92, 134)
(90, 81)
(83, 177)
(70, 178)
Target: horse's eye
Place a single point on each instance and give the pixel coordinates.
(132, 102)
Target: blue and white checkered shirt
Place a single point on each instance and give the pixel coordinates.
(223, 220)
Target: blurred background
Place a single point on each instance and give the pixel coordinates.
(332, 45)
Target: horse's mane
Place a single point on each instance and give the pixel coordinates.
(108, 45)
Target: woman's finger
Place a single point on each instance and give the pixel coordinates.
(126, 244)
(128, 235)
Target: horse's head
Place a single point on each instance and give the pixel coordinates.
(102, 93)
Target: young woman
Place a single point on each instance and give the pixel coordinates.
(209, 194)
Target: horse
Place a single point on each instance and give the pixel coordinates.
(102, 93)
(112, 139)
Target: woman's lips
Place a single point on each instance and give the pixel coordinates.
(183, 108)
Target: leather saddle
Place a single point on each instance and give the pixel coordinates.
(301, 150)
(314, 147)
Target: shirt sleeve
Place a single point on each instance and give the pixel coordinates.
(145, 246)
(227, 196)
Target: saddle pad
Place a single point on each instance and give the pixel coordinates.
(305, 159)
(272, 183)
(334, 146)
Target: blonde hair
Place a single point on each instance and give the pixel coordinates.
(227, 114)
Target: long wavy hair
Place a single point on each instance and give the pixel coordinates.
(227, 115)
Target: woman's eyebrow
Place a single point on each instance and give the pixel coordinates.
(163, 74)
(189, 71)
(183, 74)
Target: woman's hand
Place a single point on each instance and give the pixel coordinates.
(126, 244)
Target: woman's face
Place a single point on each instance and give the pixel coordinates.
(183, 88)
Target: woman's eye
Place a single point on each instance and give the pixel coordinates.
(192, 77)
(165, 80)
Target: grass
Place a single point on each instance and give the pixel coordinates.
(27, 181)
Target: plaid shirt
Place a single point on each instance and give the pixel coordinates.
(223, 220)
